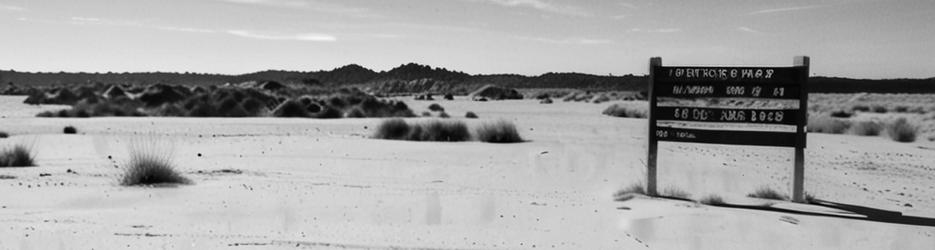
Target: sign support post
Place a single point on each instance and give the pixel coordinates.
(652, 148)
(798, 175)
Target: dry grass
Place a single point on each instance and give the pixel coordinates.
(902, 131)
(867, 128)
(151, 163)
(630, 111)
(434, 130)
(712, 200)
(818, 123)
(500, 131)
(19, 155)
(675, 193)
(625, 193)
(768, 193)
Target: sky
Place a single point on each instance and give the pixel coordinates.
(845, 38)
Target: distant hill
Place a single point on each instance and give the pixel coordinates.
(417, 78)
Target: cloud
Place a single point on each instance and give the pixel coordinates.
(11, 8)
(748, 29)
(660, 30)
(185, 29)
(787, 9)
(311, 37)
(540, 5)
(311, 5)
(573, 40)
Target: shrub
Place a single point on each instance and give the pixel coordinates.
(293, 108)
(426, 113)
(767, 193)
(619, 110)
(636, 188)
(841, 114)
(712, 200)
(435, 107)
(860, 108)
(70, 130)
(393, 129)
(470, 114)
(675, 193)
(878, 109)
(150, 164)
(437, 130)
(444, 115)
(867, 128)
(355, 113)
(902, 131)
(901, 109)
(500, 131)
(4, 134)
(824, 124)
(17, 156)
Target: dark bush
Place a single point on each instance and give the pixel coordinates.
(470, 114)
(619, 110)
(150, 165)
(435, 107)
(767, 193)
(394, 129)
(17, 156)
(841, 114)
(70, 130)
(4, 134)
(878, 109)
(866, 128)
(291, 108)
(501, 131)
(902, 131)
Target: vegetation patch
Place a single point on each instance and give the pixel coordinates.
(70, 130)
(626, 193)
(712, 200)
(17, 156)
(823, 124)
(630, 111)
(767, 193)
(151, 164)
(470, 114)
(902, 131)
(433, 130)
(867, 128)
(675, 193)
(500, 131)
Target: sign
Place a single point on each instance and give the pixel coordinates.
(758, 106)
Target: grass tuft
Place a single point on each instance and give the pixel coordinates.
(434, 130)
(902, 131)
(392, 129)
(675, 193)
(768, 193)
(625, 194)
(712, 200)
(151, 164)
(867, 128)
(501, 131)
(18, 156)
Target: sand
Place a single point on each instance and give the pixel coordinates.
(264, 183)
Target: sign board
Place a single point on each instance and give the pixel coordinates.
(758, 106)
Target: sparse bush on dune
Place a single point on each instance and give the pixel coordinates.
(823, 124)
(393, 129)
(355, 113)
(151, 163)
(17, 156)
(434, 130)
(841, 114)
(443, 114)
(70, 130)
(867, 128)
(901, 130)
(620, 110)
(500, 131)
(767, 193)
(470, 114)
(435, 107)
(901, 109)
(878, 109)
(290, 108)
(712, 200)
(4, 134)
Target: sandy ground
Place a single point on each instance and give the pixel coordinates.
(264, 183)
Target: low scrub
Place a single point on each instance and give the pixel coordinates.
(878, 109)
(17, 156)
(902, 131)
(620, 110)
(500, 131)
(470, 114)
(841, 114)
(151, 164)
(4, 134)
(624, 194)
(70, 130)
(829, 125)
(866, 128)
(712, 200)
(675, 193)
(768, 193)
(434, 130)
(437, 108)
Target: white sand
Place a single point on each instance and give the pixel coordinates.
(323, 184)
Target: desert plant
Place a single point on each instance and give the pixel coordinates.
(675, 192)
(829, 125)
(767, 193)
(878, 109)
(902, 131)
(437, 130)
(712, 200)
(635, 188)
(860, 108)
(470, 114)
(867, 128)
(151, 163)
(426, 114)
(70, 130)
(437, 108)
(444, 114)
(394, 129)
(841, 114)
(501, 131)
(17, 156)
(4, 134)
(901, 109)
(619, 110)
(293, 108)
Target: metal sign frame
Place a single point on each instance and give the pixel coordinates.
(681, 88)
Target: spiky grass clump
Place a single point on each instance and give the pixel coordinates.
(434, 130)
(712, 200)
(18, 156)
(70, 130)
(501, 131)
(629, 191)
(867, 128)
(675, 193)
(768, 193)
(151, 163)
(392, 129)
(902, 131)
(828, 125)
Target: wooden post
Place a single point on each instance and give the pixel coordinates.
(651, 136)
(798, 175)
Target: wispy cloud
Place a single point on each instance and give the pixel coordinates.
(310, 37)
(748, 30)
(660, 30)
(541, 5)
(325, 7)
(571, 40)
(11, 8)
(786, 9)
